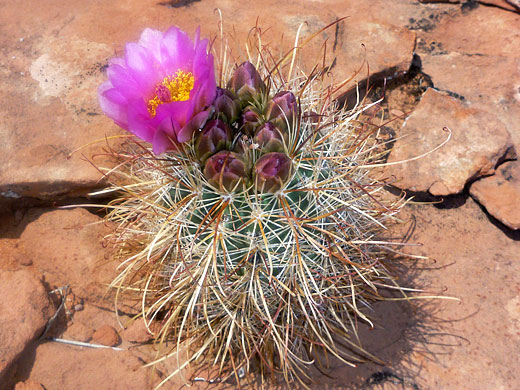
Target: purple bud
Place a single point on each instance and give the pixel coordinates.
(283, 109)
(272, 171)
(215, 136)
(246, 82)
(227, 105)
(249, 121)
(270, 138)
(225, 170)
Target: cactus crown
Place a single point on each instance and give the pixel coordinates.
(256, 243)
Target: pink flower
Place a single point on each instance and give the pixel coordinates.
(161, 88)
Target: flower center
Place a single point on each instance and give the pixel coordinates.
(175, 88)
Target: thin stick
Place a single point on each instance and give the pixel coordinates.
(82, 344)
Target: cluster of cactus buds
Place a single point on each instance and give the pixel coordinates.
(245, 143)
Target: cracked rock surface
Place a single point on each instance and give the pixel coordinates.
(500, 194)
(479, 141)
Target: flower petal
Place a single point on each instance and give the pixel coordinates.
(142, 67)
(113, 104)
(161, 142)
(165, 137)
(176, 51)
(151, 39)
(123, 81)
(139, 122)
(204, 73)
(180, 111)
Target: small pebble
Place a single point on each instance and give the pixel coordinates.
(106, 335)
(78, 307)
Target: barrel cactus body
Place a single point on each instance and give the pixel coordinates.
(255, 245)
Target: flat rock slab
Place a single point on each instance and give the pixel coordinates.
(479, 140)
(482, 69)
(53, 57)
(500, 194)
(24, 311)
(49, 113)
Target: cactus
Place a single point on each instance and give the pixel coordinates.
(256, 243)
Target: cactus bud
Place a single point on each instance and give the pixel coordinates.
(270, 138)
(227, 105)
(225, 170)
(215, 136)
(249, 122)
(246, 82)
(283, 109)
(272, 171)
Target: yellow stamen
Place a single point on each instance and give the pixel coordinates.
(179, 87)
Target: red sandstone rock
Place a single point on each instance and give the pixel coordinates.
(137, 332)
(475, 260)
(500, 194)
(478, 141)
(106, 335)
(482, 68)
(509, 5)
(24, 312)
(29, 384)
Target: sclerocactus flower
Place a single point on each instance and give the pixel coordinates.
(215, 136)
(227, 105)
(225, 170)
(246, 83)
(283, 109)
(159, 86)
(271, 171)
(270, 138)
